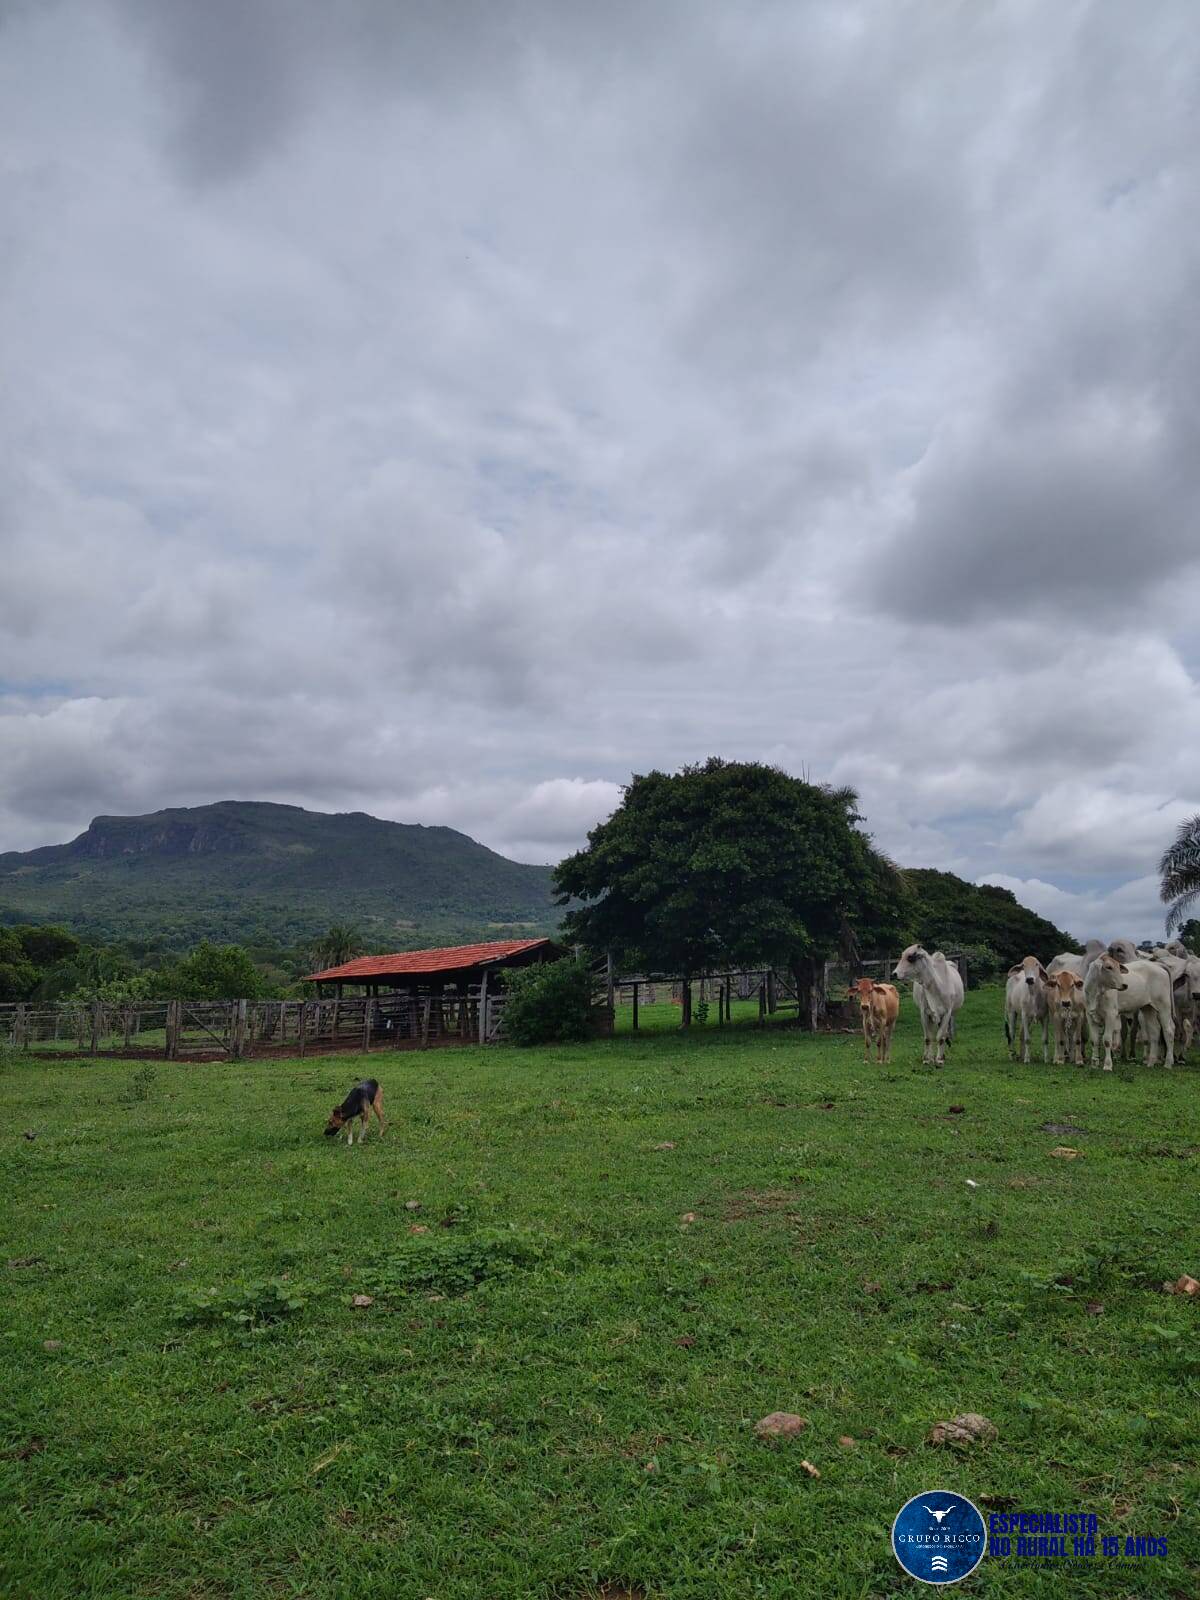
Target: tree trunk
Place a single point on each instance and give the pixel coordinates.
(809, 973)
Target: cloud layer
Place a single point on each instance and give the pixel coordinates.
(447, 411)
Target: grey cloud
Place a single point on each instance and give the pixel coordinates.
(446, 411)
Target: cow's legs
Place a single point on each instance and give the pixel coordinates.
(1167, 1023)
(943, 1035)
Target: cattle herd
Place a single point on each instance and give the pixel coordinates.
(1115, 996)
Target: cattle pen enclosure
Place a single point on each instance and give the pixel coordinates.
(180, 1029)
(176, 1029)
(519, 1345)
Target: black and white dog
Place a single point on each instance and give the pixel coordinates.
(364, 1098)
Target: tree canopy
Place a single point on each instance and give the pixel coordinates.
(730, 864)
(952, 914)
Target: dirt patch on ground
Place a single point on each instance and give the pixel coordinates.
(759, 1203)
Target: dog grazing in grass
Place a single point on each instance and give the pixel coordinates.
(364, 1098)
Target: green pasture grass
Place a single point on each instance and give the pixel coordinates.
(554, 1389)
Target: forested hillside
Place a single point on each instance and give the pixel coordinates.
(259, 873)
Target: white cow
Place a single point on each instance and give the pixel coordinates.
(1025, 1008)
(1113, 989)
(1076, 964)
(1185, 978)
(938, 992)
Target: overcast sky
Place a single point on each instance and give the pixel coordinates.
(445, 410)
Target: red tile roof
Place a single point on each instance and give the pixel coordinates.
(452, 958)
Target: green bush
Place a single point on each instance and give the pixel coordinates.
(244, 1307)
(454, 1264)
(548, 1004)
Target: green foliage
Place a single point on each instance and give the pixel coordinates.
(125, 991)
(18, 975)
(212, 972)
(142, 1083)
(1189, 934)
(952, 914)
(27, 954)
(1180, 871)
(548, 1004)
(984, 965)
(453, 1263)
(46, 946)
(244, 1307)
(730, 864)
(339, 943)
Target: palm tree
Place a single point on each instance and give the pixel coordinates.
(339, 943)
(1180, 868)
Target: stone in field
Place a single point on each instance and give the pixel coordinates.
(967, 1429)
(780, 1425)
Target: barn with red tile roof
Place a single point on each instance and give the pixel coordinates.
(452, 966)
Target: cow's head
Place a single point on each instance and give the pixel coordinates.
(1031, 969)
(1112, 973)
(1063, 990)
(864, 991)
(909, 964)
(1123, 950)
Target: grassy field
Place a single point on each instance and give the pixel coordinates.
(633, 1250)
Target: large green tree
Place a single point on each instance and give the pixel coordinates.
(729, 865)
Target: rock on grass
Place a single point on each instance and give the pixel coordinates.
(780, 1425)
(962, 1431)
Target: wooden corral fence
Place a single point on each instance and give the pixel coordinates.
(773, 988)
(203, 1029)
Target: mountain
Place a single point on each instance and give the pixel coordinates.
(256, 872)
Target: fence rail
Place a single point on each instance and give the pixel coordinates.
(177, 1029)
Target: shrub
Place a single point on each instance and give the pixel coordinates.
(549, 1004)
(244, 1307)
(141, 1085)
(454, 1264)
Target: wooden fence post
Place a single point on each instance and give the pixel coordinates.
(303, 1026)
(95, 1027)
(635, 1008)
(368, 1006)
(685, 1020)
(174, 1025)
(237, 1032)
(19, 1027)
(483, 1008)
(772, 1002)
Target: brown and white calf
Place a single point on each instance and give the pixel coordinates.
(879, 1005)
(1068, 1016)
